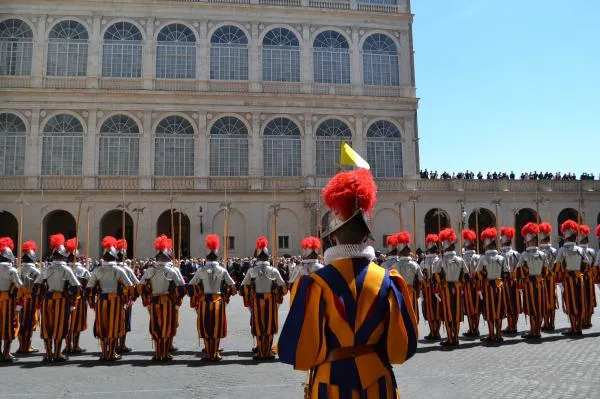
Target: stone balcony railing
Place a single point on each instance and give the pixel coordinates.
(268, 184)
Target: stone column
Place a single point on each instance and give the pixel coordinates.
(146, 151)
(40, 45)
(308, 147)
(148, 51)
(203, 58)
(355, 64)
(409, 160)
(405, 59)
(33, 145)
(306, 60)
(90, 144)
(358, 141)
(94, 49)
(254, 59)
(255, 149)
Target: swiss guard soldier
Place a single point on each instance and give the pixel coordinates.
(571, 263)
(130, 293)
(588, 276)
(10, 283)
(550, 252)
(374, 326)
(310, 263)
(78, 320)
(452, 273)
(491, 272)
(431, 302)
(28, 316)
(409, 270)
(162, 289)
(597, 262)
(56, 288)
(472, 300)
(107, 288)
(513, 295)
(392, 256)
(267, 291)
(212, 286)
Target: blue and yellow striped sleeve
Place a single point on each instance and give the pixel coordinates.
(302, 339)
(402, 331)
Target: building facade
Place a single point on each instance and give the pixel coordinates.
(168, 116)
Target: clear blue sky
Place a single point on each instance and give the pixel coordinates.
(511, 84)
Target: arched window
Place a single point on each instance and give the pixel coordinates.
(282, 148)
(174, 147)
(122, 51)
(229, 54)
(331, 58)
(67, 50)
(176, 53)
(384, 149)
(228, 147)
(380, 61)
(62, 146)
(12, 145)
(16, 44)
(281, 56)
(330, 135)
(119, 147)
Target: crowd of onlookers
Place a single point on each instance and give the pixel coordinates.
(470, 175)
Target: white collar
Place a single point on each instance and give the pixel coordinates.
(58, 263)
(261, 263)
(348, 251)
(491, 252)
(211, 263)
(164, 264)
(431, 255)
(5, 264)
(309, 261)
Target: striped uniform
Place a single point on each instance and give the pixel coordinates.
(131, 293)
(412, 275)
(590, 280)
(532, 267)
(28, 317)
(431, 306)
(472, 301)
(568, 265)
(550, 252)
(451, 271)
(490, 269)
(351, 302)
(299, 272)
(510, 285)
(9, 285)
(79, 316)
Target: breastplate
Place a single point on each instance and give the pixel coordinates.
(407, 270)
(535, 260)
(55, 276)
(263, 285)
(5, 278)
(471, 258)
(452, 266)
(389, 263)
(549, 252)
(512, 258)
(572, 258)
(427, 265)
(108, 278)
(493, 265)
(28, 276)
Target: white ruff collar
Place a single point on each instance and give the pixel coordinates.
(348, 251)
(59, 263)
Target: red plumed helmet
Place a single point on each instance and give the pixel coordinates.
(403, 237)
(56, 241)
(28, 246)
(584, 229)
(212, 242)
(392, 240)
(71, 245)
(163, 243)
(108, 242)
(310, 243)
(509, 232)
(569, 225)
(261, 242)
(121, 244)
(448, 235)
(530, 228)
(598, 231)
(6, 242)
(431, 238)
(490, 233)
(545, 228)
(469, 235)
(347, 192)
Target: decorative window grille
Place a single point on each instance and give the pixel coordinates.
(174, 147)
(176, 53)
(122, 51)
(282, 148)
(384, 149)
(380, 61)
(229, 54)
(12, 145)
(67, 50)
(16, 48)
(229, 147)
(331, 58)
(62, 146)
(330, 135)
(119, 147)
(281, 56)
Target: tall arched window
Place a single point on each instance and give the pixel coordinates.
(380, 61)
(16, 44)
(229, 54)
(12, 145)
(282, 148)
(331, 58)
(281, 56)
(62, 146)
(174, 147)
(228, 147)
(67, 50)
(119, 147)
(330, 135)
(384, 149)
(176, 53)
(122, 51)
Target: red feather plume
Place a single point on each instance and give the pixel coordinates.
(469, 235)
(310, 243)
(530, 228)
(392, 240)
(28, 246)
(448, 235)
(490, 233)
(403, 237)
(163, 243)
(57, 240)
(121, 244)
(431, 238)
(569, 225)
(261, 242)
(347, 190)
(71, 245)
(545, 228)
(6, 242)
(507, 231)
(109, 241)
(212, 242)
(584, 229)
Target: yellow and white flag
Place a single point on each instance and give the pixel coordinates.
(351, 158)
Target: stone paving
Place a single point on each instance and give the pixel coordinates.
(558, 367)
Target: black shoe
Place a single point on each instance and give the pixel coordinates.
(568, 333)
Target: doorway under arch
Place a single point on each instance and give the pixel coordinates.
(58, 221)
(111, 224)
(436, 219)
(163, 226)
(522, 217)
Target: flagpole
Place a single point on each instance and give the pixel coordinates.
(496, 205)
(179, 240)
(477, 227)
(20, 230)
(87, 234)
(73, 266)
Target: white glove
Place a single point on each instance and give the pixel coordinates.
(72, 308)
(18, 308)
(439, 298)
(481, 296)
(176, 307)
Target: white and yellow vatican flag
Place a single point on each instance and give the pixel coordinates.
(351, 158)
